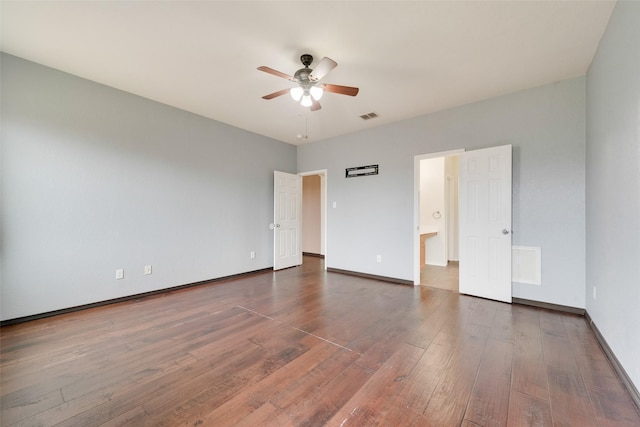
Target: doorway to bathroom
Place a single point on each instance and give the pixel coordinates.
(438, 220)
(484, 221)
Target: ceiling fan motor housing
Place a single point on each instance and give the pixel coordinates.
(302, 76)
(306, 59)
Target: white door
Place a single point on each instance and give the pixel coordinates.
(287, 204)
(485, 223)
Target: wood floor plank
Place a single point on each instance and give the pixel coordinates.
(317, 408)
(13, 411)
(489, 402)
(611, 402)
(435, 313)
(570, 402)
(502, 327)
(86, 356)
(304, 347)
(372, 399)
(483, 312)
(305, 369)
(147, 359)
(449, 401)
(526, 410)
(266, 415)
(272, 353)
(529, 374)
(172, 394)
(316, 379)
(419, 385)
(135, 417)
(99, 395)
(378, 342)
(551, 322)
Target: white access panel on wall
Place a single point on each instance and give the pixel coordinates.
(526, 265)
(485, 223)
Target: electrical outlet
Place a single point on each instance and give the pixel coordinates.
(335, 205)
(147, 269)
(252, 254)
(119, 274)
(378, 258)
(594, 292)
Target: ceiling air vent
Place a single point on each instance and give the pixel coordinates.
(368, 116)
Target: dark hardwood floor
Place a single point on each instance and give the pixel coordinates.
(302, 347)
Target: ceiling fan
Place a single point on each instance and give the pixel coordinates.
(309, 89)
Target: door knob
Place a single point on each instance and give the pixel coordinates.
(505, 231)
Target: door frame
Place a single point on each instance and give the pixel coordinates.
(416, 205)
(323, 210)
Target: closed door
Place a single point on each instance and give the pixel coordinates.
(287, 220)
(485, 223)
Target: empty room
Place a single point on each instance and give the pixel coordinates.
(320, 213)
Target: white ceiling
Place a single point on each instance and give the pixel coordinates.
(407, 57)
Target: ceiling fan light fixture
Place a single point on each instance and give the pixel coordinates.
(316, 92)
(308, 90)
(296, 93)
(306, 101)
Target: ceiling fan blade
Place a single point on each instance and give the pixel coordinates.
(322, 69)
(276, 94)
(343, 90)
(276, 73)
(315, 105)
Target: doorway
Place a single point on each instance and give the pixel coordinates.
(438, 220)
(314, 213)
(485, 204)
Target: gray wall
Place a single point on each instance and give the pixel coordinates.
(374, 215)
(613, 186)
(95, 179)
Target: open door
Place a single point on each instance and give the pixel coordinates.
(485, 223)
(287, 203)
